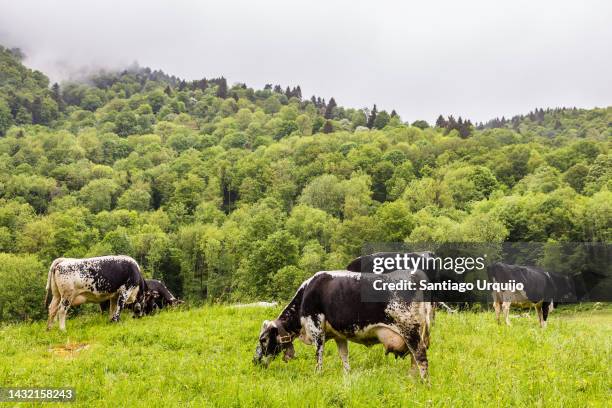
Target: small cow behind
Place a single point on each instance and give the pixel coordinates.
(165, 297)
(158, 298)
(73, 282)
(329, 305)
(541, 289)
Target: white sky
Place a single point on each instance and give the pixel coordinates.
(474, 58)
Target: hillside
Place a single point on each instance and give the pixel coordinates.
(473, 361)
(230, 193)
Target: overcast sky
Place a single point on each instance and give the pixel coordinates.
(478, 59)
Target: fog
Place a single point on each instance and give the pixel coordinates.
(477, 59)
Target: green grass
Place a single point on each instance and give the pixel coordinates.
(202, 357)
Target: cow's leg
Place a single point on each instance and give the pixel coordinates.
(112, 308)
(546, 306)
(317, 333)
(343, 351)
(538, 308)
(506, 310)
(121, 301)
(497, 306)
(53, 307)
(417, 348)
(63, 311)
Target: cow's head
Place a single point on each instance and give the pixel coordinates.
(138, 309)
(273, 338)
(176, 302)
(566, 290)
(143, 304)
(150, 301)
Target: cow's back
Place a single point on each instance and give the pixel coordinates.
(338, 296)
(105, 274)
(536, 282)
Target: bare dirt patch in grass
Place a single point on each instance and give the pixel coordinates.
(68, 350)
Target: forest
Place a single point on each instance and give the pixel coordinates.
(229, 193)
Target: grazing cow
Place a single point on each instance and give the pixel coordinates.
(164, 298)
(540, 289)
(329, 305)
(159, 297)
(76, 281)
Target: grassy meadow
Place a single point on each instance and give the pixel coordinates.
(202, 357)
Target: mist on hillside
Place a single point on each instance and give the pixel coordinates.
(473, 59)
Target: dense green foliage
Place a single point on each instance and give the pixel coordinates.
(472, 360)
(227, 192)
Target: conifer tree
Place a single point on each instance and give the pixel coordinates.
(372, 117)
(329, 110)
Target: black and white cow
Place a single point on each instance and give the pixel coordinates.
(165, 297)
(540, 289)
(329, 305)
(159, 297)
(73, 282)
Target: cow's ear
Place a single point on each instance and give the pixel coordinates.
(265, 325)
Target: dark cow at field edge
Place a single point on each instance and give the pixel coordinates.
(73, 282)
(541, 289)
(165, 298)
(159, 297)
(329, 305)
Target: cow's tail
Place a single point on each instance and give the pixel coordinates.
(50, 280)
(427, 317)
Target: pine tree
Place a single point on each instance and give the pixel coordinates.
(56, 94)
(222, 89)
(372, 117)
(329, 110)
(451, 124)
(464, 128)
(36, 110)
(202, 84)
(441, 122)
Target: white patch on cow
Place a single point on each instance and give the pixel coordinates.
(132, 294)
(370, 331)
(310, 331)
(515, 297)
(408, 315)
